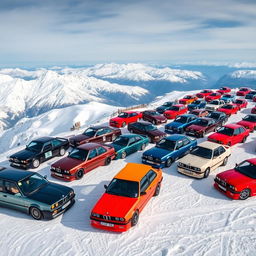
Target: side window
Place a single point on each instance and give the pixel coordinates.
(221, 150)
(100, 132)
(179, 144)
(56, 143)
(241, 129)
(132, 141)
(47, 146)
(237, 131)
(216, 152)
(1, 186)
(107, 130)
(11, 188)
(101, 150)
(144, 184)
(185, 141)
(151, 176)
(138, 139)
(92, 154)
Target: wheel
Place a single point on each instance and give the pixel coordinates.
(113, 137)
(36, 213)
(225, 161)
(123, 124)
(135, 219)
(207, 172)
(79, 174)
(245, 194)
(244, 140)
(168, 162)
(62, 151)
(35, 163)
(143, 146)
(157, 191)
(108, 161)
(123, 155)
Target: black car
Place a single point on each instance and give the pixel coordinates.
(165, 107)
(250, 95)
(38, 151)
(33, 194)
(148, 129)
(219, 117)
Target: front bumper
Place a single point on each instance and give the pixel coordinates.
(62, 176)
(187, 172)
(153, 163)
(231, 194)
(21, 165)
(117, 125)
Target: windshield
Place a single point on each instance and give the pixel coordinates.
(89, 132)
(239, 102)
(167, 104)
(123, 115)
(181, 119)
(187, 97)
(121, 140)
(227, 96)
(247, 168)
(153, 113)
(213, 94)
(166, 144)
(124, 188)
(227, 106)
(197, 102)
(223, 88)
(150, 127)
(35, 146)
(214, 115)
(201, 122)
(174, 108)
(226, 131)
(202, 152)
(32, 184)
(214, 102)
(205, 91)
(243, 89)
(250, 118)
(196, 113)
(80, 154)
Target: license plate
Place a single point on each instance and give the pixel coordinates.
(58, 174)
(16, 164)
(65, 205)
(223, 188)
(106, 224)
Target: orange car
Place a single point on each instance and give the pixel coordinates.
(188, 99)
(127, 194)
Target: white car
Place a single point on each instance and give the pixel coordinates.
(203, 159)
(214, 105)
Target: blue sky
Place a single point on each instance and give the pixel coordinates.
(59, 32)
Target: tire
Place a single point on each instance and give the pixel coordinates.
(207, 172)
(123, 124)
(245, 194)
(225, 161)
(244, 139)
(168, 162)
(123, 155)
(135, 219)
(79, 174)
(62, 151)
(157, 191)
(143, 146)
(36, 163)
(36, 213)
(108, 161)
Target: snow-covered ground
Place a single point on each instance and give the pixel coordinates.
(189, 217)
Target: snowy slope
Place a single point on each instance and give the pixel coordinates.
(189, 217)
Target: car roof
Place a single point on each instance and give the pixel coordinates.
(128, 135)
(209, 144)
(252, 160)
(178, 105)
(14, 175)
(89, 146)
(129, 112)
(133, 172)
(232, 126)
(143, 123)
(97, 127)
(44, 139)
(175, 137)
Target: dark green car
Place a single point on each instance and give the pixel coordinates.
(33, 194)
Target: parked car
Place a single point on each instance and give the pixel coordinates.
(239, 182)
(253, 110)
(204, 93)
(250, 95)
(199, 112)
(165, 106)
(254, 99)
(33, 194)
(228, 98)
(96, 134)
(219, 117)
(241, 103)
(230, 134)
(229, 109)
(224, 89)
(167, 150)
(203, 159)
(175, 110)
(154, 117)
(188, 99)
(125, 118)
(127, 144)
(180, 123)
(213, 96)
(82, 160)
(197, 104)
(119, 207)
(39, 151)
(201, 127)
(249, 122)
(148, 129)
(243, 91)
(214, 105)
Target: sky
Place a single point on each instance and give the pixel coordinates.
(77, 32)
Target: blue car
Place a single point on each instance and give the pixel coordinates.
(197, 104)
(168, 150)
(228, 98)
(180, 123)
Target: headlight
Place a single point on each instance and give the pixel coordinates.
(54, 205)
(119, 219)
(53, 168)
(197, 169)
(71, 193)
(232, 187)
(65, 171)
(95, 214)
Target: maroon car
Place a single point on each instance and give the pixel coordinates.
(148, 129)
(82, 160)
(154, 117)
(95, 134)
(202, 126)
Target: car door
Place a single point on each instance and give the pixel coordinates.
(211, 126)
(101, 155)
(217, 158)
(56, 145)
(47, 151)
(108, 133)
(132, 145)
(178, 149)
(144, 184)
(99, 136)
(91, 162)
(237, 137)
(186, 146)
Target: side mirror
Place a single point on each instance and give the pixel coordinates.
(143, 193)
(105, 186)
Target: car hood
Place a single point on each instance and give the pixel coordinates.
(194, 161)
(160, 117)
(224, 110)
(117, 119)
(196, 127)
(117, 147)
(156, 133)
(80, 137)
(246, 123)
(24, 154)
(67, 163)
(175, 124)
(50, 194)
(157, 152)
(219, 136)
(115, 206)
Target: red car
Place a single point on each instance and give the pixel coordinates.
(229, 109)
(253, 111)
(175, 110)
(243, 91)
(213, 96)
(254, 99)
(204, 93)
(230, 134)
(241, 103)
(82, 160)
(125, 118)
(240, 182)
(224, 89)
(188, 99)
(249, 122)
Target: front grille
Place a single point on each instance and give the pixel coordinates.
(151, 158)
(188, 167)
